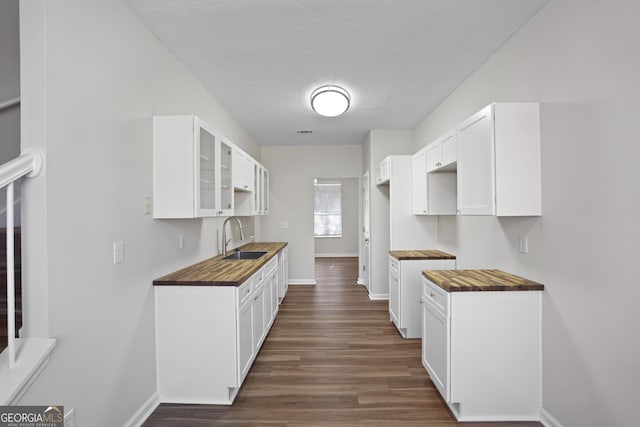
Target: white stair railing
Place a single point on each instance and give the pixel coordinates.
(28, 164)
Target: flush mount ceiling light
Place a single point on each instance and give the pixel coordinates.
(330, 101)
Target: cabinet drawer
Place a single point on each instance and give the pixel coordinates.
(394, 265)
(270, 266)
(245, 290)
(435, 294)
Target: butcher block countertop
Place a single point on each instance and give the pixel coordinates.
(480, 280)
(222, 272)
(420, 255)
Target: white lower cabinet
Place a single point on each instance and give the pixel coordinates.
(283, 276)
(207, 337)
(482, 351)
(405, 290)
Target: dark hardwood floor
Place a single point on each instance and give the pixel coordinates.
(332, 358)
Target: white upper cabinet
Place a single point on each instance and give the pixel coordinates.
(383, 171)
(255, 201)
(264, 191)
(442, 153)
(187, 179)
(499, 161)
(242, 171)
(433, 193)
(419, 172)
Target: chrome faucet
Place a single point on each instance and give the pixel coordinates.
(225, 242)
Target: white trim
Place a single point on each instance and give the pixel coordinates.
(360, 281)
(337, 255)
(548, 420)
(33, 356)
(147, 408)
(375, 297)
(494, 418)
(302, 282)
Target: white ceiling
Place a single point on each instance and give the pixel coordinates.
(398, 58)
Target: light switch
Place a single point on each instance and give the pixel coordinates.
(181, 242)
(118, 252)
(524, 245)
(147, 205)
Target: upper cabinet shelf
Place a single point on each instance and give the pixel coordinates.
(499, 161)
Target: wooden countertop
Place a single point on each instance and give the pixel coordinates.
(222, 272)
(420, 255)
(480, 280)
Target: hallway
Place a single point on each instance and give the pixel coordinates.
(332, 358)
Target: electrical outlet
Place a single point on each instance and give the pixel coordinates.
(118, 252)
(181, 242)
(70, 418)
(524, 245)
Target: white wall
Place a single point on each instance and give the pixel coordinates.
(292, 170)
(348, 243)
(580, 60)
(378, 145)
(92, 78)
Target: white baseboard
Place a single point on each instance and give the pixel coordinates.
(548, 420)
(302, 282)
(144, 411)
(378, 296)
(337, 255)
(360, 281)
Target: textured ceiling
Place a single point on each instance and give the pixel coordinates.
(398, 58)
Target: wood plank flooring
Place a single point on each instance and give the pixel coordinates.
(332, 358)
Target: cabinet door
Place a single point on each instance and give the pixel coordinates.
(449, 148)
(226, 179)
(268, 304)
(285, 271)
(205, 173)
(242, 171)
(394, 298)
(258, 319)
(419, 172)
(257, 193)
(274, 295)
(435, 347)
(434, 156)
(265, 191)
(476, 168)
(245, 339)
(249, 171)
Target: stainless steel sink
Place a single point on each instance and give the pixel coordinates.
(245, 255)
